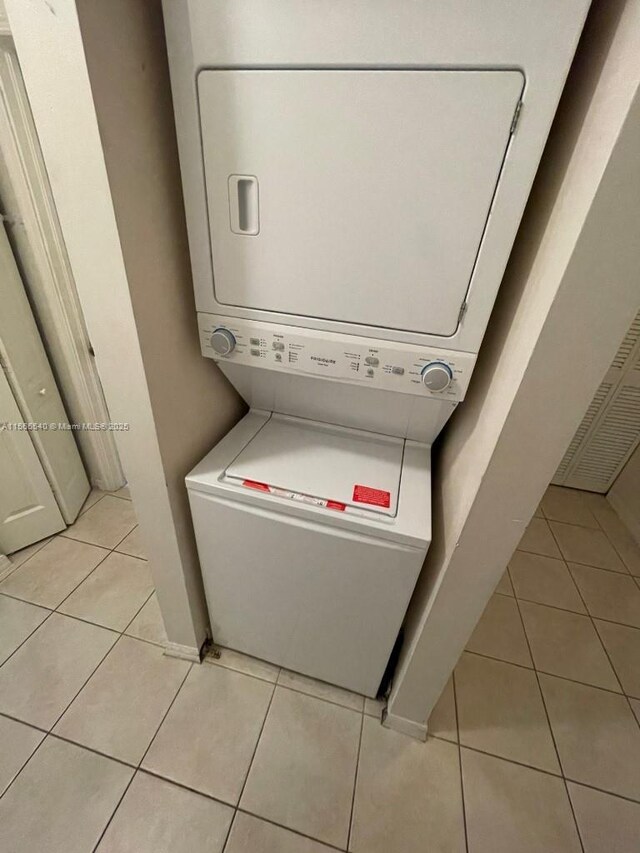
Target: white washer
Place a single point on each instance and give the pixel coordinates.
(311, 538)
(353, 182)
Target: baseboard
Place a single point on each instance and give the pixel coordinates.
(175, 650)
(6, 566)
(404, 726)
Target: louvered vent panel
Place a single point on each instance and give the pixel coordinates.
(596, 404)
(610, 430)
(626, 347)
(616, 437)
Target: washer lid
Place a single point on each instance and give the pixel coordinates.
(319, 463)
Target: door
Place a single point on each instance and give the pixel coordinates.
(350, 195)
(43, 480)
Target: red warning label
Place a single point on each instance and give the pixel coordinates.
(375, 497)
(253, 484)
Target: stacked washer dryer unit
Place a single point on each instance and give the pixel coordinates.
(354, 175)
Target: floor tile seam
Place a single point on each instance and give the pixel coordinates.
(589, 616)
(65, 535)
(148, 642)
(286, 687)
(120, 497)
(230, 829)
(355, 784)
(15, 597)
(257, 744)
(42, 544)
(541, 694)
(25, 763)
(328, 844)
(118, 544)
(28, 637)
(462, 794)
(137, 613)
(574, 523)
(576, 612)
(313, 696)
(126, 554)
(592, 615)
(83, 511)
(624, 572)
(554, 775)
(101, 753)
(86, 577)
(584, 612)
(88, 622)
(164, 716)
(113, 813)
(606, 651)
(87, 680)
(534, 668)
(57, 608)
(210, 661)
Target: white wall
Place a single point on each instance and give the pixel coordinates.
(567, 298)
(120, 210)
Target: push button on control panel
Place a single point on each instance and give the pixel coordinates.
(372, 360)
(278, 345)
(398, 371)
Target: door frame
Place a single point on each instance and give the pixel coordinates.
(32, 225)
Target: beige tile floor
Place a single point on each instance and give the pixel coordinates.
(107, 745)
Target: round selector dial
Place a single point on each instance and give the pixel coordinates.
(437, 376)
(222, 341)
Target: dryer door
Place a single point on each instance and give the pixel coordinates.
(352, 196)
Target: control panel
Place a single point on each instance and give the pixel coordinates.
(406, 368)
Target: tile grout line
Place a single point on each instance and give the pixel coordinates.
(312, 695)
(117, 806)
(12, 782)
(43, 543)
(602, 644)
(546, 712)
(137, 768)
(229, 830)
(355, 781)
(552, 674)
(164, 716)
(297, 832)
(464, 804)
(624, 693)
(46, 619)
(255, 749)
(86, 681)
(137, 613)
(593, 625)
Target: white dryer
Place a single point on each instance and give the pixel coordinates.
(354, 176)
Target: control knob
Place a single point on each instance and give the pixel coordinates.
(437, 376)
(222, 341)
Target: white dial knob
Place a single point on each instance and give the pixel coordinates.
(437, 376)
(223, 341)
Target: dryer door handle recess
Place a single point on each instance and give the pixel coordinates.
(244, 209)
